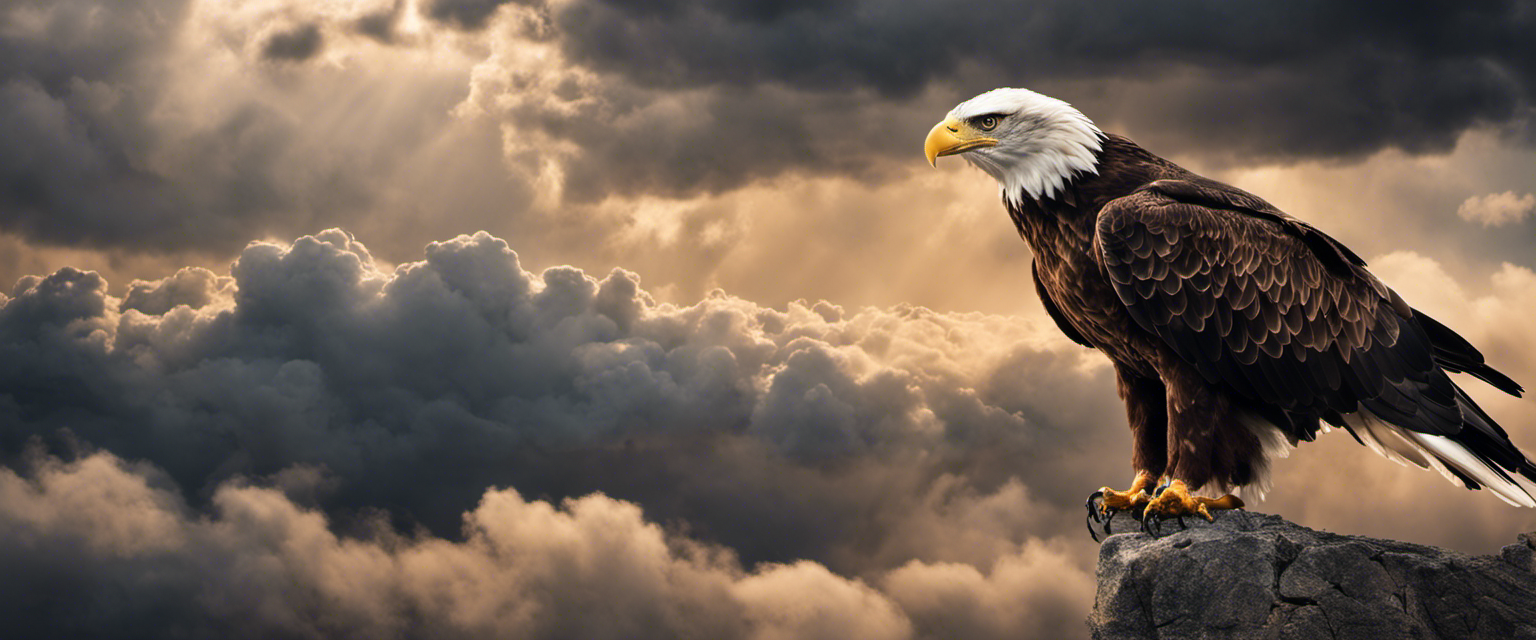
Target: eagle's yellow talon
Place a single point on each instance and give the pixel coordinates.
(1106, 502)
(1175, 501)
(1131, 498)
(1123, 500)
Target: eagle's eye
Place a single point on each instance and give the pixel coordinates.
(987, 123)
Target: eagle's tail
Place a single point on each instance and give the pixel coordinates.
(1479, 455)
(1453, 353)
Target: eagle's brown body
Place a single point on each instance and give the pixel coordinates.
(1235, 329)
(1221, 313)
(1076, 290)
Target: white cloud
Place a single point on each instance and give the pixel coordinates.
(1497, 209)
(88, 531)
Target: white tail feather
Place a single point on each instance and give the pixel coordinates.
(1423, 450)
(1387, 441)
(1453, 454)
(1403, 446)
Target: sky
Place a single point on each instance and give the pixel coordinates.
(613, 319)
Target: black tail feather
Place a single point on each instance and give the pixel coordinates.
(1488, 441)
(1453, 353)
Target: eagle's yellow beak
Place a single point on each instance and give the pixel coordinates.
(951, 137)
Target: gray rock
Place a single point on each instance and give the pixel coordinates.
(1251, 575)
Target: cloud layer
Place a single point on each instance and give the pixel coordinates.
(419, 388)
(310, 393)
(459, 446)
(170, 124)
(184, 439)
(83, 534)
(704, 144)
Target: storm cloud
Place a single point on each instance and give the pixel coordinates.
(205, 435)
(415, 390)
(312, 403)
(162, 125)
(1314, 79)
(263, 566)
(395, 442)
(622, 99)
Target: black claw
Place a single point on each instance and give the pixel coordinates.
(1107, 518)
(1093, 513)
(1152, 524)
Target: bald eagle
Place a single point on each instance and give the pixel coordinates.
(1235, 329)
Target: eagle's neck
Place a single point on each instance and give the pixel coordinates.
(1068, 215)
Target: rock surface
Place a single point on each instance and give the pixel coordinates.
(1251, 575)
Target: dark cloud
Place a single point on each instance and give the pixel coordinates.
(468, 14)
(294, 45)
(70, 126)
(380, 25)
(1314, 80)
(901, 47)
(57, 43)
(113, 140)
(862, 442)
(418, 389)
(78, 91)
(105, 149)
(718, 142)
(293, 425)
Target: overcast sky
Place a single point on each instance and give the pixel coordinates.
(464, 317)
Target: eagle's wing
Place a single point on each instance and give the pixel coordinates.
(1287, 317)
(1055, 311)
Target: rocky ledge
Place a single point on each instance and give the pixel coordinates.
(1251, 575)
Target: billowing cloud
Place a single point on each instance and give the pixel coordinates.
(83, 534)
(1497, 209)
(162, 126)
(418, 388)
(825, 472)
(921, 469)
(1328, 79)
(458, 446)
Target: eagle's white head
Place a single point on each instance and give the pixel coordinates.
(1032, 144)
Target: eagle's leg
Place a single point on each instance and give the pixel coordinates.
(1146, 414)
(1207, 445)
(1106, 502)
(1176, 502)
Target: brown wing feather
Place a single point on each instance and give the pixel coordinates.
(1271, 308)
